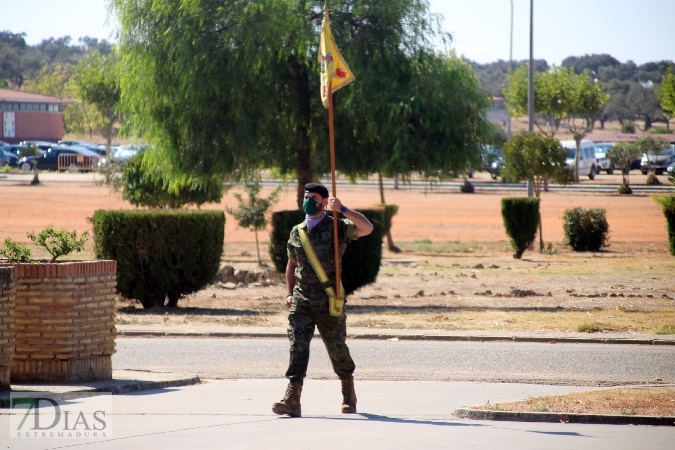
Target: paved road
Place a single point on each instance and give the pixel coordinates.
(561, 364)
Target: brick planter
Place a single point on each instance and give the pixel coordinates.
(65, 322)
(7, 294)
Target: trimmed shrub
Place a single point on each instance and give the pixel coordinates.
(670, 225)
(628, 128)
(521, 218)
(160, 253)
(361, 261)
(652, 180)
(467, 187)
(585, 229)
(667, 204)
(624, 189)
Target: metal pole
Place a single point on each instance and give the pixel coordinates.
(530, 91)
(508, 117)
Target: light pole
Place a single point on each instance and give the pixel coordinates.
(508, 117)
(530, 91)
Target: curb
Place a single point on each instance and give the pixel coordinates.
(114, 386)
(402, 337)
(595, 419)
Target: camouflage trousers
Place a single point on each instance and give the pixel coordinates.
(310, 310)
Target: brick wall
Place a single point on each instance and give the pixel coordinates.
(7, 293)
(64, 321)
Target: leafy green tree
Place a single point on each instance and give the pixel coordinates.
(641, 100)
(622, 156)
(561, 97)
(54, 80)
(590, 63)
(145, 184)
(253, 213)
(436, 122)
(492, 76)
(666, 95)
(536, 158)
(238, 87)
(588, 98)
(96, 81)
(650, 145)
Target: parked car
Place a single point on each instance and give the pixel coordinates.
(50, 159)
(671, 169)
(659, 162)
(601, 149)
(39, 143)
(83, 144)
(123, 153)
(588, 163)
(496, 164)
(7, 158)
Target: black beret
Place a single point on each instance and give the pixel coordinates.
(317, 188)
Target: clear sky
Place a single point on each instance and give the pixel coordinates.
(640, 31)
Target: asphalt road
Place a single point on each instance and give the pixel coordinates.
(555, 364)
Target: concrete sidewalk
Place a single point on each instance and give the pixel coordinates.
(169, 410)
(403, 415)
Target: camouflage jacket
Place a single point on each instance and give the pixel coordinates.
(321, 238)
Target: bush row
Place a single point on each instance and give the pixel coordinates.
(361, 261)
(160, 253)
(585, 229)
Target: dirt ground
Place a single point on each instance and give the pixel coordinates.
(456, 271)
(439, 215)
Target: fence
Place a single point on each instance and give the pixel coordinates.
(75, 162)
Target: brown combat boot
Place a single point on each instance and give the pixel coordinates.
(348, 396)
(290, 404)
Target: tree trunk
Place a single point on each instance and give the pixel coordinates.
(648, 123)
(390, 240)
(541, 235)
(381, 185)
(257, 247)
(303, 97)
(577, 140)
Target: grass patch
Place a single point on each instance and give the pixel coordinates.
(589, 328)
(666, 330)
(647, 401)
(426, 245)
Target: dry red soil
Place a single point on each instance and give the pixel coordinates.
(439, 215)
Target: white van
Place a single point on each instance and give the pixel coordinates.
(588, 163)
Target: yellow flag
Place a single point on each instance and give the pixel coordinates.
(334, 70)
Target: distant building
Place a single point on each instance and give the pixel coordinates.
(27, 116)
(497, 112)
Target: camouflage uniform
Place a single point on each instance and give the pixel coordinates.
(309, 307)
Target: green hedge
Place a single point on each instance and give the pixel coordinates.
(585, 229)
(521, 218)
(160, 253)
(669, 212)
(361, 261)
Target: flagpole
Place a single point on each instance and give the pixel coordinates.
(336, 240)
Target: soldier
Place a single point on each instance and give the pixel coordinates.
(308, 301)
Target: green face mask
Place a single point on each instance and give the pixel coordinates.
(310, 206)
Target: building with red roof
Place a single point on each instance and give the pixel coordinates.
(28, 116)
